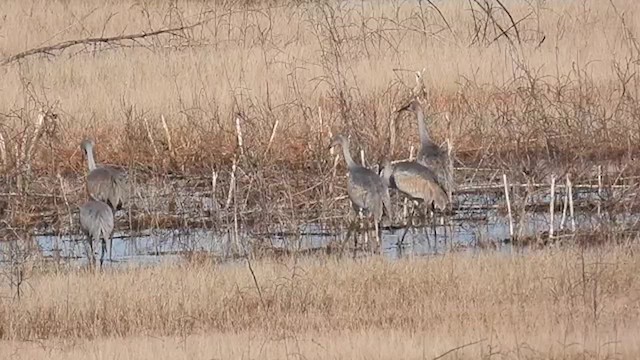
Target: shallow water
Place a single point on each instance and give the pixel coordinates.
(478, 220)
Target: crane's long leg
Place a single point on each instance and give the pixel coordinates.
(111, 236)
(448, 231)
(366, 232)
(425, 221)
(110, 248)
(408, 225)
(356, 235)
(444, 229)
(91, 255)
(376, 225)
(353, 224)
(103, 250)
(347, 236)
(435, 234)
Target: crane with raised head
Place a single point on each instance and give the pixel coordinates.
(367, 191)
(430, 154)
(105, 183)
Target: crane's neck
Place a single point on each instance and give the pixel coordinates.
(347, 155)
(387, 171)
(91, 162)
(425, 139)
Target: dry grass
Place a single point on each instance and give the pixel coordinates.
(543, 304)
(285, 62)
(511, 100)
(363, 344)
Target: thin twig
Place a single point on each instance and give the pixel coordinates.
(272, 137)
(513, 23)
(458, 348)
(599, 191)
(232, 184)
(3, 151)
(153, 143)
(552, 205)
(255, 282)
(239, 135)
(66, 202)
(168, 135)
(66, 44)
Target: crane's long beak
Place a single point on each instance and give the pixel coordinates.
(333, 144)
(404, 108)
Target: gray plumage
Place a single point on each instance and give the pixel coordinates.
(417, 182)
(96, 221)
(104, 183)
(366, 190)
(430, 154)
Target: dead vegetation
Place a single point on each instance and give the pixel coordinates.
(224, 126)
(550, 302)
(527, 89)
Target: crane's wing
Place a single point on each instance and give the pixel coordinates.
(108, 184)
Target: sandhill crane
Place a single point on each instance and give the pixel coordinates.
(104, 183)
(430, 154)
(417, 182)
(96, 221)
(366, 189)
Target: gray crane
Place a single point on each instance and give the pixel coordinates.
(104, 183)
(96, 221)
(430, 154)
(418, 183)
(366, 189)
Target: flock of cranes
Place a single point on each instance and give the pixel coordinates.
(427, 180)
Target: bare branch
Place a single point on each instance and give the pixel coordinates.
(69, 43)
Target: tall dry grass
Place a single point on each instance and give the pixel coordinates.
(355, 61)
(560, 86)
(556, 303)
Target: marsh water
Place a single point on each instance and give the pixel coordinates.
(478, 220)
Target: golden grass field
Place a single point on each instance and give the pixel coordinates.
(560, 303)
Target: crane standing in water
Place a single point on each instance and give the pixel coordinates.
(96, 221)
(105, 184)
(431, 155)
(366, 189)
(418, 183)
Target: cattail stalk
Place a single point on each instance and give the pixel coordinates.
(506, 195)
